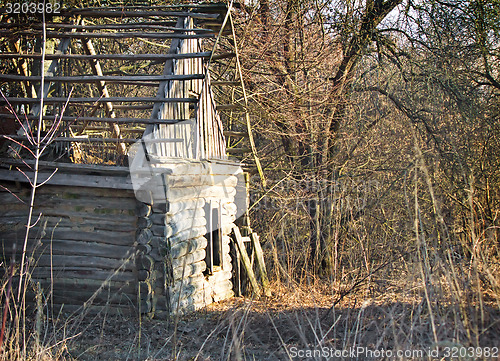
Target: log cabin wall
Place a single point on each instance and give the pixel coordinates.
(173, 255)
(183, 260)
(81, 250)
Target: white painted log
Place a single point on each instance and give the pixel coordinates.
(176, 207)
(185, 224)
(189, 270)
(187, 180)
(188, 259)
(217, 277)
(187, 234)
(180, 249)
(185, 214)
(229, 208)
(193, 193)
(190, 304)
(197, 280)
(223, 295)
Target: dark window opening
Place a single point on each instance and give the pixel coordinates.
(213, 257)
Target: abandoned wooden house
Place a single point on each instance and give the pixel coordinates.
(136, 199)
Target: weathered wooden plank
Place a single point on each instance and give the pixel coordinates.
(133, 57)
(56, 100)
(261, 266)
(78, 297)
(106, 78)
(78, 192)
(92, 310)
(106, 169)
(72, 179)
(76, 223)
(85, 139)
(73, 248)
(111, 35)
(87, 284)
(84, 261)
(84, 274)
(100, 13)
(108, 120)
(246, 260)
(80, 211)
(70, 233)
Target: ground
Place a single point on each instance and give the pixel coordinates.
(297, 323)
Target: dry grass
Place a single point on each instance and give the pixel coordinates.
(389, 315)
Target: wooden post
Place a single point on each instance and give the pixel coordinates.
(96, 67)
(261, 266)
(246, 260)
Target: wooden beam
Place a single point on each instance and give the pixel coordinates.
(155, 25)
(101, 13)
(102, 120)
(104, 140)
(107, 78)
(106, 169)
(246, 260)
(106, 35)
(101, 85)
(52, 100)
(261, 266)
(167, 71)
(79, 180)
(189, 6)
(133, 57)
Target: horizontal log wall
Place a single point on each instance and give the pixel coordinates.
(172, 241)
(81, 249)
